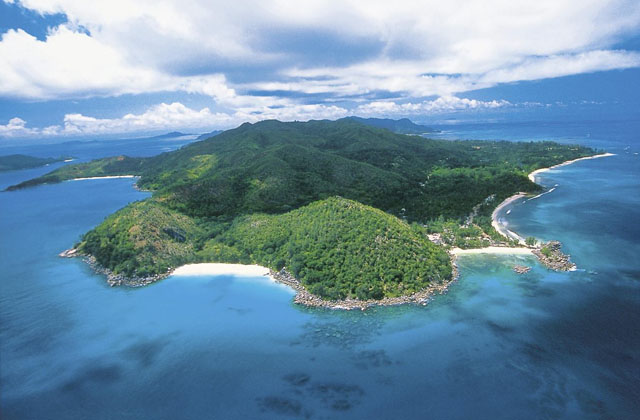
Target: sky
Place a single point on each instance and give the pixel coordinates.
(79, 68)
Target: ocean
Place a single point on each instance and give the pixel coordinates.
(498, 345)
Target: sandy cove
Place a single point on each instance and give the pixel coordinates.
(503, 250)
(221, 269)
(303, 296)
(499, 227)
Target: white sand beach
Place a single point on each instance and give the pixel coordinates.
(220, 269)
(495, 220)
(532, 175)
(492, 250)
(239, 271)
(498, 226)
(104, 177)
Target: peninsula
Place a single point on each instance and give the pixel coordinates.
(17, 161)
(347, 214)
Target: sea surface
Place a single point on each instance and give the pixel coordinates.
(498, 345)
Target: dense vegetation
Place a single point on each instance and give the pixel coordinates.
(234, 196)
(14, 162)
(143, 239)
(337, 248)
(274, 167)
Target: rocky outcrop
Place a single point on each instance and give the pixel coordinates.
(112, 278)
(551, 256)
(304, 297)
(521, 269)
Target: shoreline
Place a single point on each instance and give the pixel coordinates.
(302, 295)
(532, 175)
(492, 250)
(103, 177)
(283, 277)
(495, 220)
(501, 228)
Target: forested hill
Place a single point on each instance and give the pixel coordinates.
(275, 167)
(262, 193)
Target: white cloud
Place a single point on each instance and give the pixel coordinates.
(334, 50)
(134, 46)
(164, 116)
(159, 117)
(441, 104)
(16, 128)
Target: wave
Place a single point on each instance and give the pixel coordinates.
(544, 193)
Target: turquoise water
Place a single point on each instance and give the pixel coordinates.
(497, 345)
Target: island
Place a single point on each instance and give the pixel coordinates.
(347, 214)
(18, 161)
(401, 126)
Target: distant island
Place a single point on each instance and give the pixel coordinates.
(17, 161)
(208, 135)
(347, 214)
(401, 126)
(170, 135)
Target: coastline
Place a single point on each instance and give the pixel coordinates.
(501, 228)
(492, 250)
(532, 175)
(302, 295)
(495, 220)
(221, 269)
(103, 177)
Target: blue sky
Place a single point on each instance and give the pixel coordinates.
(74, 68)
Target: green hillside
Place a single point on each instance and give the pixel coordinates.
(142, 239)
(274, 167)
(338, 248)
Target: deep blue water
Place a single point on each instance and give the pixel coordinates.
(497, 346)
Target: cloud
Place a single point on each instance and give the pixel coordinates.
(16, 128)
(167, 117)
(441, 104)
(290, 60)
(158, 117)
(339, 48)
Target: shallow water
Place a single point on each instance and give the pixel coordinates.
(497, 345)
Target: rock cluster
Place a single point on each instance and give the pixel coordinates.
(551, 256)
(68, 253)
(112, 278)
(304, 297)
(521, 269)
